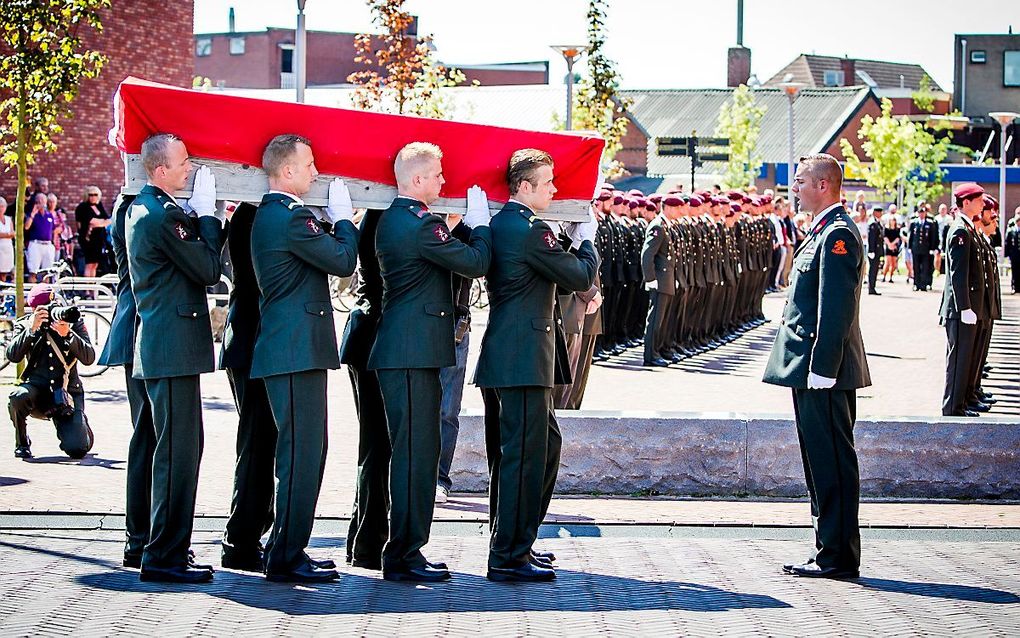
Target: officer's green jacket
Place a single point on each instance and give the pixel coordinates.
(657, 258)
(519, 345)
(963, 272)
(172, 258)
(119, 348)
(417, 253)
(820, 330)
(293, 257)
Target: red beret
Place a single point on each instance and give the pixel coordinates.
(655, 197)
(756, 201)
(734, 195)
(991, 203)
(635, 193)
(719, 201)
(746, 199)
(735, 208)
(605, 196)
(695, 201)
(968, 190)
(672, 200)
(617, 200)
(766, 199)
(633, 203)
(650, 206)
(40, 294)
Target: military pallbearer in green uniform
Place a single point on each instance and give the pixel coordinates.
(819, 353)
(172, 257)
(415, 338)
(517, 359)
(296, 341)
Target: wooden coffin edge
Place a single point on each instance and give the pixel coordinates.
(244, 183)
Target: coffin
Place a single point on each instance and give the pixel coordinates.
(228, 133)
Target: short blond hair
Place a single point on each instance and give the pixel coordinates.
(824, 166)
(412, 157)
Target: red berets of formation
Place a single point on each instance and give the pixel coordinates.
(968, 190)
(672, 200)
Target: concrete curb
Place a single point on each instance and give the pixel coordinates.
(737, 454)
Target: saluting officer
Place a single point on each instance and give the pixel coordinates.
(962, 298)
(517, 360)
(415, 338)
(172, 257)
(296, 341)
(819, 353)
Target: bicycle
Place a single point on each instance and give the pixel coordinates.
(479, 296)
(343, 292)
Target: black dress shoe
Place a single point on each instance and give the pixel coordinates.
(22, 452)
(656, 363)
(788, 568)
(814, 570)
(978, 407)
(367, 563)
(243, 561)
(325, 563)
(549, 556)
(193, 565)
(874, 292)
(181, 574)
(437, 565)
(303, 573)
(527, 573)
(132, 561)
(423, 574)
(540, 562)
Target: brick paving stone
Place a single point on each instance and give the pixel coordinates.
(57, 582)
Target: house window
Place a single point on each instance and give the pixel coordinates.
(978, 57)
(203, 47)
(286, 59)
(1011, 68)
(236, 46)
(833, 78)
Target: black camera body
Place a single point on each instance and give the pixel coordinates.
(61, 312)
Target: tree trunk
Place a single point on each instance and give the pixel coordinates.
(19, 212)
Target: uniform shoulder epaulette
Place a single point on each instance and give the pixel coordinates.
(839, 223)
(533, 219)
(168, 204)
(293, 205)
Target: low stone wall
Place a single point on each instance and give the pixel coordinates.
(731, 454)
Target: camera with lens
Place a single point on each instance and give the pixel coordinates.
(60, 312)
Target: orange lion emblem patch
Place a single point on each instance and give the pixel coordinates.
(839, 248)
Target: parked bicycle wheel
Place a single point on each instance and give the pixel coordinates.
(337, 288)
(98, 327)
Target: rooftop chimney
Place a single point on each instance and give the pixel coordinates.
(230, 20)
(738, 58)
(849, 66)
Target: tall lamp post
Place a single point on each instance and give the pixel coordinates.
(791, 89)
(1004, 118)
(570, 53)
(300, 46)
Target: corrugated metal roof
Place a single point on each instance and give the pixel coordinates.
(819, 114)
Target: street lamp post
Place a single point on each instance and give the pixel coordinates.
(570, 53)
(300, 46)
(1004, 118)
(791, 89)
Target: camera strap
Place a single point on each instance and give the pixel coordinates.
(63, 361)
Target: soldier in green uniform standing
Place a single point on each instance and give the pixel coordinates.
(172, 257)
(296, 341)
(657, 266)
(415, 338)
(819, 353)
(517, 360)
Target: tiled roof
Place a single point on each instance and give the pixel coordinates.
(819, 114)
(810, 69)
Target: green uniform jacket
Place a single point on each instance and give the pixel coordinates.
(519, 345)
(293, 255)
(172, 258)
(820, 330)
(963, 270)
(657, 256)
(416, 254)
(119, 349)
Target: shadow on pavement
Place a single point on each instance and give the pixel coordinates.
(965, 593)
(90, 460)
(8, 481)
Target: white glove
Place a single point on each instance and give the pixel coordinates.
(871, 255)
(339, 205)
(477, 208)
(584, 231)
(203, 193)
(968, 317)
(652, 285)
(818, 382)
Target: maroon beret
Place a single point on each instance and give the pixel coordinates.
(650, 206)
(734, 195)
(968, 190)
(635, 193)
(735, 208)
(633, 203)
(604, 196)
(618, 199)
(720, 201)
(39, 295)
(694, 201)
(746, 199)
(672, 200)
(991, 203)
(655, 197)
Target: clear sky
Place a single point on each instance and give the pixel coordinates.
(661, 43)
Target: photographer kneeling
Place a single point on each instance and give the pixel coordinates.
(54, 339)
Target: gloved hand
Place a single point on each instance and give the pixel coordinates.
(203, 193)
(818, 382)
(968, 317)
(871, 255)
(652, 285)
(477, 208)
(339, 205)
(584, 231)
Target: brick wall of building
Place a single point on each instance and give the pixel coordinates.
(145, 39)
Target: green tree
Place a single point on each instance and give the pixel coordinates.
(597, 104)
(403, 75)
(740, 121)
(42, 63)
